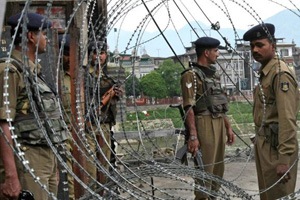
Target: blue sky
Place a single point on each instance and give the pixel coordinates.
(242, 13)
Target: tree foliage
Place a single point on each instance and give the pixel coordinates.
(133, 86)
(153, 85)
(171, 73)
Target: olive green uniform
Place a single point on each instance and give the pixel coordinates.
(32, 140)
(276, 104)
(210, 126)
(66, 100)
(106, 118)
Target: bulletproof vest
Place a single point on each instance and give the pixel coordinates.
(213, 98)
(27, 127)
(94, 94)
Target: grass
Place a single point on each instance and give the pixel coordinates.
(241, 112)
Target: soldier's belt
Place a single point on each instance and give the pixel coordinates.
(208, 113)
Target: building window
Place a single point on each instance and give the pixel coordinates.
(284, 52)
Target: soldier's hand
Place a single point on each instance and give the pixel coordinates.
(10, 189)
(281, 170)
(230, 137)
(118, 91)
(193, 146)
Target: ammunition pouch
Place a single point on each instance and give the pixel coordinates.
(29, 132)
(213, 97)
(270, 133)
(217, 103)
(26, 125)
(201, 104)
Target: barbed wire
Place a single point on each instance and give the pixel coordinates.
(139, 174)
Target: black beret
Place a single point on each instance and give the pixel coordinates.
(35, 21)
(66, 43)
(100, 45)
(207, 42)
(260, 31)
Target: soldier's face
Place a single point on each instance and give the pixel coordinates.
(39, 38)
(66, 62)
(212, 55)
(103, 57)
(262, 50)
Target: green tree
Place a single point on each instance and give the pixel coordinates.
(153, 85)
(132, 85)
(171, 73)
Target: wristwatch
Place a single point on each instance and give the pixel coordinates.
(193, 137)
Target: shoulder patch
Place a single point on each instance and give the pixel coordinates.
(284, 86)
(188, 85)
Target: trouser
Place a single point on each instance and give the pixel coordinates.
(66, 180)
(44, 163)
(212, 136)
(70, 166)
(98, 138)
(266, 159)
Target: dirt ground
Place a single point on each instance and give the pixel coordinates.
(244, 175)
(240, 173)
(240, 170)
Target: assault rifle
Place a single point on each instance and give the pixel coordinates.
(181, 153)
(26, 195)
(108, 96)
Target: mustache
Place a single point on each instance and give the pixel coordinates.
(256, 54)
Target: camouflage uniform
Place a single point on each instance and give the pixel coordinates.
(106, 118)
(276, 129)
(30, 135)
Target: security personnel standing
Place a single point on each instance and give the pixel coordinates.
(66, 102)
(205, 105)
(101, 116)
(34, 121)
(276, 105)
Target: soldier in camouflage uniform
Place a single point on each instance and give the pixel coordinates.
(100, 118)
(205, 105)
(32, 131)
(276, 105)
